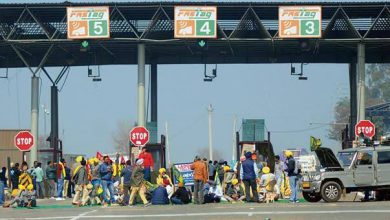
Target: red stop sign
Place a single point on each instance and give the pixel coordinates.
(24, 140)
(366, 127)
(139, 136)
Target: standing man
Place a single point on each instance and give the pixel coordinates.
(249, 174)
(39, 177)
(81, 180)
(292, 172)
(279, 169)
(107, 183)
(126, 174)
(51, 175)
(211, 170)
(200, 178)
(60, 179)
(96, 181)
(148, 163)
(3, 180)
(66, 181)
(15, 173)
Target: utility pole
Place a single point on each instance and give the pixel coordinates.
(34, 118)
(234, 137)
(210, 111)
(167, 143)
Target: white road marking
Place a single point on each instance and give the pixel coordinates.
(82, 215)
(238, 213)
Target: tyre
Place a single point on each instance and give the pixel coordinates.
(311, 197)
(331, 191)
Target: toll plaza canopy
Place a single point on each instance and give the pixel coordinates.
(34, 34)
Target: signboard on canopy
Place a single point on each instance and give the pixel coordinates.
(300, 21)
(88, 22)
(186, 172)
(195, 22)
(248, 148)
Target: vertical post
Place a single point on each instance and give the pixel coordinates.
(34, 117)
(168, 147)
(153, 92)
(238, 151)
(234, 141)
(9, 183)
(353, 99)
(141, 85)
(210, 111)
(54, 122)
(361, 82)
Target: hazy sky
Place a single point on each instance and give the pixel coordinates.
(89, 111)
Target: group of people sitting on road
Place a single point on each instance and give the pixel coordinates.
(248, 181)
(106, 182)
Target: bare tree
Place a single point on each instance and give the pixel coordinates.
(120, 137)
(204, 153)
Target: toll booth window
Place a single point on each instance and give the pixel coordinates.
(364, 158)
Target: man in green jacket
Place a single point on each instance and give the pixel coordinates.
(137, 186)
(51, 175)
(39, 177)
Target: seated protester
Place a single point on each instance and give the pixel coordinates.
(181, 196)
(160, 196)
(215, 193)
(235, 192)
(119, 193)
(164, 180)
(31, 197)
(18, 196)
(267, 182)
(206, 188)
(229, 175)
(92, 198)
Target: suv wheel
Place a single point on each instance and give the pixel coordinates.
(311, 197)
(331, 191)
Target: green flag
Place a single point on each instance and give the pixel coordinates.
(177, 174)
(315, 143)
(216, 180)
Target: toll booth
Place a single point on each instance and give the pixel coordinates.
(263, 149)
(158, 153)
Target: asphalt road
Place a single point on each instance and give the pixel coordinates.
(342, 210)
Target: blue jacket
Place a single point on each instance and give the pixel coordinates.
(105, 171)
(160, 196)
(249, 170)
(126, 174)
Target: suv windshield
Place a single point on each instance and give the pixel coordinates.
(346, 157)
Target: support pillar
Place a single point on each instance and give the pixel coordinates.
(361, 71)
(210, 111)
(153, 92)
(54, 122)
(141, 85)
(353, 99)
(34, 118)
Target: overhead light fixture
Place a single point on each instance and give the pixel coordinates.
(5, 76)
(300, 74)
(95, 78)
(209, 78)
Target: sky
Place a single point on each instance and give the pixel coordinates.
(89, 111)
